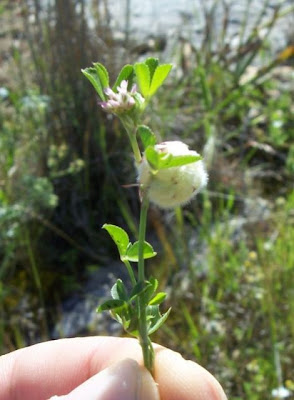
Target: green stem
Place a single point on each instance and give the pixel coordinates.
(131, 272)
(145, 342)
(131, 129)
(147, 348)
(142, 232)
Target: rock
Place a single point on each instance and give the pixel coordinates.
(79, 315)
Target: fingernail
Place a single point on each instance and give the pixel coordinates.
(125, 380)
(122, 379)
(128, 381)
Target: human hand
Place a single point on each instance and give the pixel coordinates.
(101, 368)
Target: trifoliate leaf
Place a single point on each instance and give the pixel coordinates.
(119, 236)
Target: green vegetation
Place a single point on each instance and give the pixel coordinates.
(226, 260)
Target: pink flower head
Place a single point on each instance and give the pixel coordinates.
(121, 101)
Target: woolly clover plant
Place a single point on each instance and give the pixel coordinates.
(169, 175)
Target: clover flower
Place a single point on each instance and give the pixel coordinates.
(121, 101)
(173, 186)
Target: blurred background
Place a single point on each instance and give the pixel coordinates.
(227, 259)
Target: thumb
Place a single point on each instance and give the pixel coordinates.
(125, 380)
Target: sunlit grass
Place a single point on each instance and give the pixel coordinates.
(233, 308)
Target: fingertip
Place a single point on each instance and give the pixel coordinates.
(149, 389)
(213, 386)
(179, 378)
(125, 380)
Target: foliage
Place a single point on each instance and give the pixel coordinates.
(234, 304)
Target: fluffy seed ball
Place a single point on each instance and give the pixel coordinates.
(174, 186)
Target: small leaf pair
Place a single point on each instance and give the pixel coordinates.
(161, 160)
(150, 76)
(99, 78)
(121, 307)
(155, 319)
(127, 250)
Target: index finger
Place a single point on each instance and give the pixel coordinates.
(57, 367)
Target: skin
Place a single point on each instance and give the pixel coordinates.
(58, 367)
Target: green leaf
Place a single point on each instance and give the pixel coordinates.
(158, 320)
(158, 299)
(158, 160)
(138, 289)
(127, 74)
(125, 315)
(119, 236)
(120, 319)
(176, 161)
(152, 156)
(143, 78)
(103, 74)
(151, 289)
(133, 326)
(111, 305)
(147, 136)
(147, 287)
(133, 251)
(118, 291)
(152, 65)
(159, 76)
(92, 74)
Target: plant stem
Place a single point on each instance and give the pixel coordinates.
(131, 272)
(131, 129)
(147, 349)
(142, 232)
(145, 342)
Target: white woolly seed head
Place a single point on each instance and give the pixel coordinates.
(174, 186)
